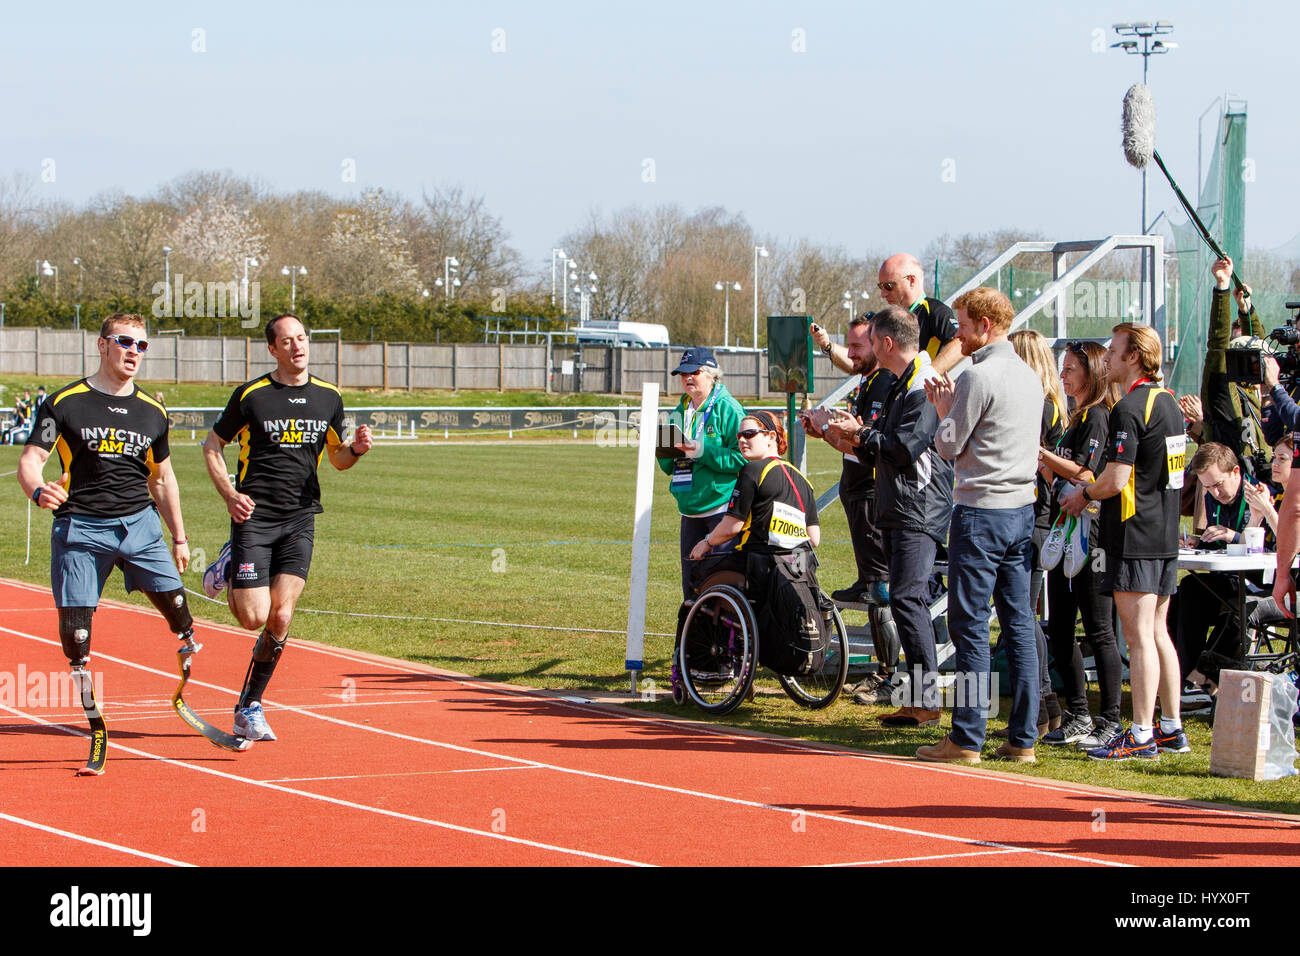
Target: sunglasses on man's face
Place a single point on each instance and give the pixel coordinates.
(128, 343)
(890, 286)
(749, 433)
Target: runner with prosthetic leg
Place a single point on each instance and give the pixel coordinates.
(116, 490)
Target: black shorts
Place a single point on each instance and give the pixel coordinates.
(263, 548)
(1142, 575)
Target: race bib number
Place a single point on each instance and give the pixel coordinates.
(787, 529)
(1176, 459)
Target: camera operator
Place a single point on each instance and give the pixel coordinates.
(1231, 411)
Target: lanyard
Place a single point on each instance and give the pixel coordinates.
(1241, 510)
(1141, 381)
(699, 423)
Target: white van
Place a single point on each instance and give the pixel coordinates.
(637, 335)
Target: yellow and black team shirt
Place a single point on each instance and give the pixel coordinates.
(1084, 443)
(937, 322)
(868, 406)
(282, 431)
(777, 504)
(1146, 431)
(108, 445)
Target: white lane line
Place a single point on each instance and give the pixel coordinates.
(917, 859)
(795, 744)
(352, 805)
(590, 774)
(91, 840)
(409, 773)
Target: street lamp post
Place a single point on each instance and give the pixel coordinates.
(555, 253)
(449, 264)
(758, 251)
(51, 270)
(726, 288)
(167, 267)
(81, 274)
(293, 272)
(248, 260)
(849, 299)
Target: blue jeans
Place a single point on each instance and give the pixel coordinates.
(990, 555)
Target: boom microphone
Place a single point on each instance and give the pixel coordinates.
(1139, 126)
(1139, 129)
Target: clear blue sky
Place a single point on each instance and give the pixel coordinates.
(845, 143)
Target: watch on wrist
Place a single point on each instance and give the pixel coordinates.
(36, 496)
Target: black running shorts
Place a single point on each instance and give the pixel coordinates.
(1142, 575)
(263, 548)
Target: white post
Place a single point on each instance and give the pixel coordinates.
(640, 578)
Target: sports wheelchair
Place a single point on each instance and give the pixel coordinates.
(717, 649)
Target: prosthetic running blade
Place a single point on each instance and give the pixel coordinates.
(217, 737)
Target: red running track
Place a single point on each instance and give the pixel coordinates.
(383, 762)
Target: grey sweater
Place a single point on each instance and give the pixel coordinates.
(992, 432)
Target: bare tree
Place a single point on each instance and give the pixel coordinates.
(366, 253)
(455, 223)
(125, 254)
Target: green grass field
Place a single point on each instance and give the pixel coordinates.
(540, 534)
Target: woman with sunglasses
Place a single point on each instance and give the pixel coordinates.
(1078, 456)
(773, 508)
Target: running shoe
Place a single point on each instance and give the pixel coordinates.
(250, 723)
(1103, 733)
(1173, 742)
(1124, 747)
(1074, 727)
(1054, 548)
(873, 690)
(1076, 545)
(214, 578)
(1194, 699)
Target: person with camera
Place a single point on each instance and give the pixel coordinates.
(1231, 409)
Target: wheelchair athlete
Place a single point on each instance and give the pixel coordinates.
(773, 507)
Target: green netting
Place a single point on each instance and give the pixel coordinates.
(1222, 208)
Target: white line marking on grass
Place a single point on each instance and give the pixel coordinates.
(590, 774)
(442, 824)
(91, 840)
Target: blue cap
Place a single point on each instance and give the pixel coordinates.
(695, 359)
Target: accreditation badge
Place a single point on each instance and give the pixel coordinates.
(682, 472)
(1176, 459)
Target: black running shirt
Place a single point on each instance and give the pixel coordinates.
(1050, 434)
(1146, 431)
(867, 406)
(1084, 443)
(937, 322)
(778, 507)
(108, 445)
(283, 430)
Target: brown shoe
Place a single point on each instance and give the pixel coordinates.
(912, 717)
(1015, 754)
(945, 751)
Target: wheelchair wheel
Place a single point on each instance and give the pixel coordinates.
(718, 652)
(820, 688)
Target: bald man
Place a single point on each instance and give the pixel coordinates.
(902, 282)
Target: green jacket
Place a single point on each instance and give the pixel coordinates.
(713, 476)
(1231, 412)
